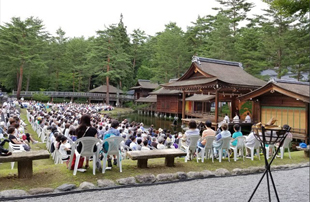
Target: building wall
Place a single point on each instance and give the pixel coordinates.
(169, 104)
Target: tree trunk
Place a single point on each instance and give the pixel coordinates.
(57, 76)
(107, 83)
(28, 81)
(89, 83)
(20, 80)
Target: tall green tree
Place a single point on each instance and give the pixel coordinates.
(275, 40)
(291, 7)
(171, 57)
(220, 42)
(22, 44)
(298, 50)
(138, 38)
(235, 10)
(57, 59)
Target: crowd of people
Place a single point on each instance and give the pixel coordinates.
(69, 122)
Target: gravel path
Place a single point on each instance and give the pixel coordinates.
(292, 185)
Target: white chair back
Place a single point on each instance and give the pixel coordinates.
(240, 142)
(15, 147)
(226, 142)
(209, 143)
(114, 144)
(88, 145)
(286, 142)
(193, 142)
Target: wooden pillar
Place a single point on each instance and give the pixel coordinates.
(307, 125)
(216, 107)
(183, 106)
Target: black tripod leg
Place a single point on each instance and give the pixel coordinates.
(274, 186)
(258, 185)
(268, 186)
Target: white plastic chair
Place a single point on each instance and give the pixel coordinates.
(15, 148)
(226, 146)
(286, 145)
(207, 150)
(268, 148)
(189, 149)
(240, 145)
(88, 145)
(114, 149)
(257, 147)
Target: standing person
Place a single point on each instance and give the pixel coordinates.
(85, 130)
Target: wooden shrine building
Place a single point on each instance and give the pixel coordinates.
(143, 88)
(225, 80)
(286, 101)
(168, 101)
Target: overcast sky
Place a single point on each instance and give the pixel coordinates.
(84, 17)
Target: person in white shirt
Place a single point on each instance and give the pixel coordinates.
(133, 144)
(226, 119)
(144, 146)
(160, 144)
(65, 148)
(236, 119)
(248, 118)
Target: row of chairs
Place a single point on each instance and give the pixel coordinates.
(88, 145)
(208, 150)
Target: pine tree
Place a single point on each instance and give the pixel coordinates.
(22, 44)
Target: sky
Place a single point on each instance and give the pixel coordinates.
(84, 17)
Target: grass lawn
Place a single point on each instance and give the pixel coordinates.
(117, 111)
(46, 174)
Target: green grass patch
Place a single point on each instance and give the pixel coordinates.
(117, 111)
(47, 174)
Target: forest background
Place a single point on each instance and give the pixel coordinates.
(32, 59)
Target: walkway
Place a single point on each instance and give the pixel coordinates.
(292, 185)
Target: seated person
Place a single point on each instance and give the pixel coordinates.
(193, 130)
(139, 142)
(226, 119)
(208, 132)
(160, 144)
(223, 134)
(247, 118)
(133, 144)
(236, 134)
(14, 140)
(144, 146)
(236, 118)
(64, 148)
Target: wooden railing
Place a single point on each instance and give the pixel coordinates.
(73, 94)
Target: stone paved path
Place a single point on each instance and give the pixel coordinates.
(292, 185)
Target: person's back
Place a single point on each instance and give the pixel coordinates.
(193, 130)
(236, 134)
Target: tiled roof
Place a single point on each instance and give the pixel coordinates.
(150, 98)
(103, 89)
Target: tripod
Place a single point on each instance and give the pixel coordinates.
(269, 139)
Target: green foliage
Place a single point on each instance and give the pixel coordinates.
(273, 40)
(40, 97)
(291, 7)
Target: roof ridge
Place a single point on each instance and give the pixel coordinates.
(198, 59)
(144, 80)
(274, 80)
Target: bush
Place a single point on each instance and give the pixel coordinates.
(40, 97)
